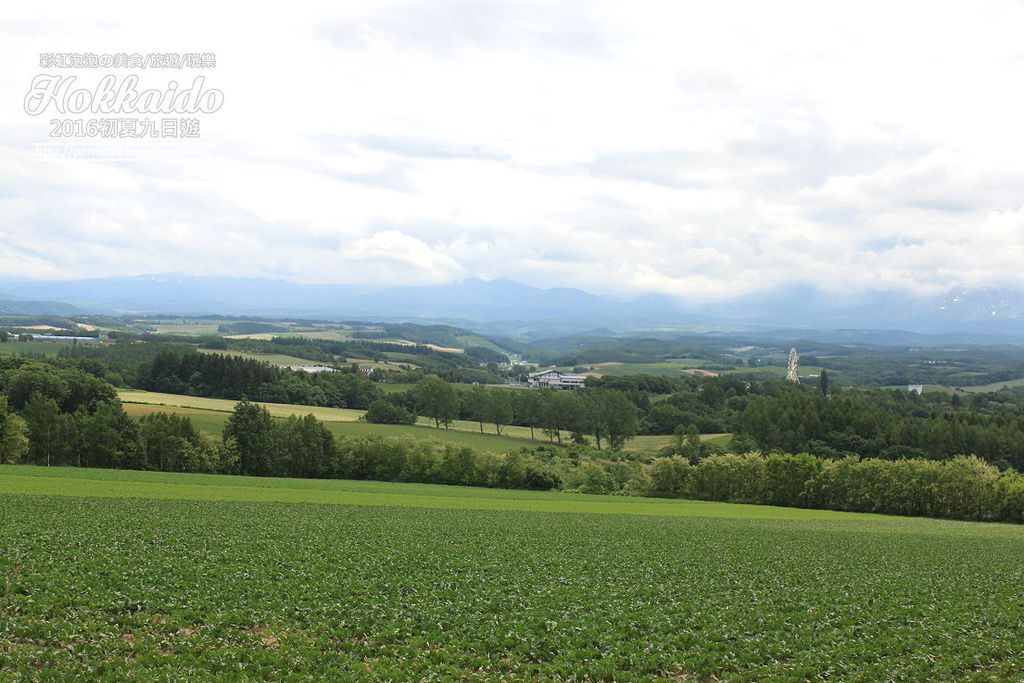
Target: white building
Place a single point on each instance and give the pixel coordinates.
(555, 379)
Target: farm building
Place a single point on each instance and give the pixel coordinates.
(555, 379)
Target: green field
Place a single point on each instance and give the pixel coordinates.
(209, 414)
(213, 423)
(194, 328)
(995, 386)
(45, 348)
(663, 369)
(512, 433)
(113, 575)
(271, 358)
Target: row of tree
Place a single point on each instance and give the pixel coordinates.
(882, 424)
(607, 415)
(964, 487)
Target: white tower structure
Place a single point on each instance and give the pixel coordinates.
(794, 364)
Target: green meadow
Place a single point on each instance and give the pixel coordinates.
(209, 414)
(115, 575)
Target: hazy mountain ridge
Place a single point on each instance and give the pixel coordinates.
(506, 307)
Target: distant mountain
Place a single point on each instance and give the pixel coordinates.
(515, 309)
(470, 300)
(20, 307)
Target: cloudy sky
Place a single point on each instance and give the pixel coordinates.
(697, 149)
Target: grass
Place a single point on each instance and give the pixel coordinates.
(45, 348)
(212, 421)
(209, 415)
(995, 386)
(112, 575)
(35, 480)
(271, 358)
(198, 328)
(664, 369)
(228, 405)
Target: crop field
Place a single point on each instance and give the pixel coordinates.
(663, 369)
(326, 414)
(43, 348)
(213, 423)
(995, 386)
(808, 373)
(209, 414)
(197, 327)
(112, 575)
(227, 405)
(331, 335)
(271, 358)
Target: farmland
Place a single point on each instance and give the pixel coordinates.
(210, 413)
(271, 358)
(212, 422)
(129, 575)
(44, 348)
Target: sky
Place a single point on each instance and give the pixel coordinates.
(701, 150)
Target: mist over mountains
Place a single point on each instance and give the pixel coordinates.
(511, 307)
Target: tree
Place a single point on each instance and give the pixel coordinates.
(35, 378)
(438, 400)
(686, 442)
(251, 429)
(13, 436)
(165, 440)
(387, 413)
(304, 446)
(477, 404)
(101, 436)
(610, 415)
(43, 419)
(528, 407)
(498, 408)
(594, 479)
(823, 382)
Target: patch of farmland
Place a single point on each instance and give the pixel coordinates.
(652, 443)
(271, 358)
(228, 405)
(45, 348)
(194, 329)
(995, 386)
(132, 575)
(663, 369)
(213, 423)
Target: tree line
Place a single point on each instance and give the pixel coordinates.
(883, 424)
(964, 487)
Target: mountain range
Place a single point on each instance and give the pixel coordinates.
(503, 306)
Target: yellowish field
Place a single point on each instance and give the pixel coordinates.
(136, 403)
(227, 405)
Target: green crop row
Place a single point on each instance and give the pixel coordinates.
(137, 589)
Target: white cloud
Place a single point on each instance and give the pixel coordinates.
(697, 150)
